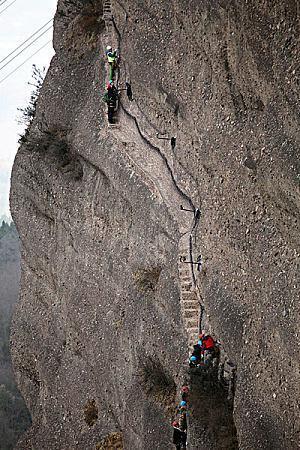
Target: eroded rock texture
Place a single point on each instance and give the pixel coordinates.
(99, 340)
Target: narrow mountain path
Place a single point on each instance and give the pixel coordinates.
(141, 149)
(168, 183)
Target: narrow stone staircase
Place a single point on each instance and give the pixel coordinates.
(151, 166)
(154, 167)
(107, 16)
(189, 301)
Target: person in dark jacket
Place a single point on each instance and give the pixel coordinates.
(111, 98)
(176, 435)
(179, 436)
(196, 356)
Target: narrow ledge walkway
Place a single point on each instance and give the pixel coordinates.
(140, 147)
(157, 173)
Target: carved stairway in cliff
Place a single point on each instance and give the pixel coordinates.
(107, 17)
(157, 173)
(156, 169)
(189, 301)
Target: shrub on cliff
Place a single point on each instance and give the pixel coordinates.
(28, 113)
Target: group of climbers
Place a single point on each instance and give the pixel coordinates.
(205, 352)
(180, 423)
(111, 96)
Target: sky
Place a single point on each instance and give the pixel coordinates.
(17, 23)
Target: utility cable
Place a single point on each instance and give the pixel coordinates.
(4, 1)
(24, 62)
(25, 48)
(28, 39)
(2, 11)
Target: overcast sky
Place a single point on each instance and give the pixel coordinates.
(17, 23)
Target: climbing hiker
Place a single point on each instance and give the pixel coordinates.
(111, 98)
(182, 406)
(196, 356)
(108, 49)
(179, 436)
(207, 342)
(193, 361)
(182, 422)
(112, 58)
(208, 348)
(184, 393)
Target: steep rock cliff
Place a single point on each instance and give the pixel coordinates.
(100, 338)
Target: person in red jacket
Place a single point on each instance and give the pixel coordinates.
(207, 348)
(208, 343)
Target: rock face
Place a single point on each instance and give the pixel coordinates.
(101, 334)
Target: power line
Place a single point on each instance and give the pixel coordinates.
(2, 11)
(4, 1)
(28, 39)
(24, 62)
(25, 48)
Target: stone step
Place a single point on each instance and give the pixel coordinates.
(189, 296)
(186, 289)
(185, 278)
(188, 284)
(191, 323)
(193, 331)
(184, 273)
(185, 293)
(190, 305)
(190, 313)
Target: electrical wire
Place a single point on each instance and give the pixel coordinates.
(25, 48)
(24, 62)
(4, 1)
(2, 11)
(28, 39)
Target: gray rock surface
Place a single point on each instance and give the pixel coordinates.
(100, 319)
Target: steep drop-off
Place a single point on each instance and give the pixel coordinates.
(102, 330)
(14, 417)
